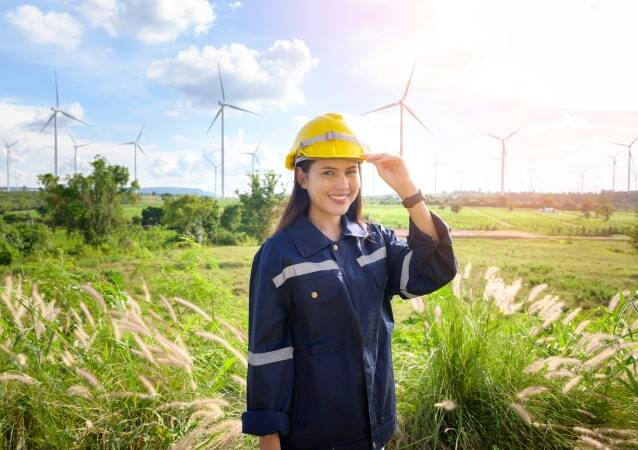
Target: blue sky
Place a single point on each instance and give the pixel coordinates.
(562, 70)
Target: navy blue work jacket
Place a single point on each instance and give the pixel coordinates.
(320, 325)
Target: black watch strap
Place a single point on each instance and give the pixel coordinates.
(412, 200)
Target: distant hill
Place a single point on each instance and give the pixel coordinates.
(159, 190)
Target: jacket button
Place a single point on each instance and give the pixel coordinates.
(335, 247)
(314, 294)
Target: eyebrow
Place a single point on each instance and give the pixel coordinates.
(336, 168)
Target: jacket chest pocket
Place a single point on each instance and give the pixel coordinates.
(378, 272)
(316, 290)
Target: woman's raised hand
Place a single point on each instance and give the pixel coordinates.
(392, 170)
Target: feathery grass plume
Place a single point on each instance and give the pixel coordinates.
(557, 374)
(87, 314)
(571, 316)
(148, 385)
(169, 308)
(203, 413)
(82, 337)
(581, 326)
(158, 319)
(613, 303)
(88, 376)
(228, 431)
(536, 290)
(225, 344)
(177, 351)
(591, 343)
(19, 377)
(239, 380)
(571, 384)
(6, 298)
(196, 309)
(147, 294)
(521, 412)
(591, 442)
(79, 391)
(95, 294)
(595, 362)
(144, 349)
(467, 271)
(21, 360)
(535, 367)
(556, 362)
(129, 394)
(238, 332)
(187, 441)
(438, 314)
(211, 402)
(585, 431)
(68, 359)
(529, 391)
(417, 304)
(619, 432)
(445, 405)
(490, 272)
(426, 326)
(456, 285)
(116, 330)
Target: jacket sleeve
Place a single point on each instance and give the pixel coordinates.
(270, 352)
(421, 265)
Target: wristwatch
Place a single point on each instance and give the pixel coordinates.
(412, 200)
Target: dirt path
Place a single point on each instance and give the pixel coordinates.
(511, 234)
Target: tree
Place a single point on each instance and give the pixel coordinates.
(197, 217)
(152, 215)
(231, 217)
(586, 207)
(90, 204)
(456, 207)
(259, 206)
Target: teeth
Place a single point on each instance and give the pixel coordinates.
(338, 197)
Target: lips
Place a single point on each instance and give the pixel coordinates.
(340, 199)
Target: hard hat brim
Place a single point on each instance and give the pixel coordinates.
(328, 150)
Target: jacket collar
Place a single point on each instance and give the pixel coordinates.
(309, 239)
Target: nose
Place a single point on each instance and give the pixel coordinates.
(343, 182)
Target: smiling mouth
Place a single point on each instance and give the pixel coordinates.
(339, 198)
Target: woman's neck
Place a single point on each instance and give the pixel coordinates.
(328, 224)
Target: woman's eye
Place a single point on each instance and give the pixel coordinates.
(328, 172)
(352, 172)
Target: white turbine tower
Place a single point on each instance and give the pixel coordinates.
(613, 170)
(215, 166)
(54, 117)
(629, 159)
(75, 148)
(253, 156)
(7, 147)
(401, 104)
(136, 146)
(503, 153)
(222, 104)
(436, 165)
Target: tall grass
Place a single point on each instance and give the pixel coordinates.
(482, 369)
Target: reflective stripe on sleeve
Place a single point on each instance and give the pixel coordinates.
(296, 270)
(372, 257)
(259, 359)
(405, 275)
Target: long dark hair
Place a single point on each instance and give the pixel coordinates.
(299, 201)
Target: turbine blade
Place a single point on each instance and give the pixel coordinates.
(633, 142)
(221, 83)
(219, 111)
(512, 134)
(57, 95)
(140, 133)
(84, 145)
(618, 143)
(142, 150)
(127, 143)
(74, 118)
(407, 86)
(241, 109)
(492, 136)
(416, 118)
(382, 108)
(48, 122)
(11, 145)
(71, 136)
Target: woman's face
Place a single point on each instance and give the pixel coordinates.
(332, 184)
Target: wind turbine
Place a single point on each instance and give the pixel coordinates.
(502, 159)
(253, 157)
(136, 145)
(461, 173)
(54, 117)
(215, 165)
(7, 147)
(401, 104)
(629, 158)
(222, 104)
(436, 165)
(613, 170)
(75, 147)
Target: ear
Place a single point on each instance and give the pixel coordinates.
(302, 177)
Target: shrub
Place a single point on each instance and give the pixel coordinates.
(231, 217)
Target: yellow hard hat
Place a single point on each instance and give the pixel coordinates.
(325, 137)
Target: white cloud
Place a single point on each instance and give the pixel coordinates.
(250, 77)
(150, 21)
(235, 5)
(59, 29)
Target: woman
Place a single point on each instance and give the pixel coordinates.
(320, 370)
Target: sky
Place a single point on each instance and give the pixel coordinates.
(563, 71)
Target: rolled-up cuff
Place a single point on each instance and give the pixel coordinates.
(263, 422)
(415, 235)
